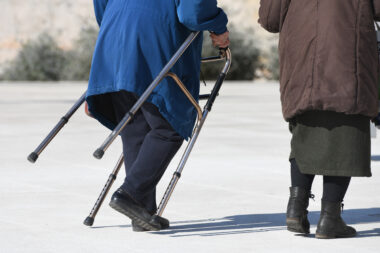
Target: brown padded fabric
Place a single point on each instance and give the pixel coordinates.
(328, 54)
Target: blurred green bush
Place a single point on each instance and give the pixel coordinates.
(78, 60)
(43, 60)
(38, 60)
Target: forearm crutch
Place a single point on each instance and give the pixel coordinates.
(89, 221)
(225, 54)
(63, 121)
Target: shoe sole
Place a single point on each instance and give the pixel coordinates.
(137, 217)
(139, 229)
(324, 236)
(157, 219)
(293, 225)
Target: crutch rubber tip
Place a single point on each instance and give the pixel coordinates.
(33, 157)
(98, 153)
(89, 221)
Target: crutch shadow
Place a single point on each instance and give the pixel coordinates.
(112, 226)
(258, 223)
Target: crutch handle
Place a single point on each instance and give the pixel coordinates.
(219, 82)
(204, 96)
(215, 91)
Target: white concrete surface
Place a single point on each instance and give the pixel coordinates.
(232, 196)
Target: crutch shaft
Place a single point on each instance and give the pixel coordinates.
(168, 193)
(215, 91)
(178, 172)
(127, 118)
(34, 155)
(220, 80)
(211, 99)
(89, 221)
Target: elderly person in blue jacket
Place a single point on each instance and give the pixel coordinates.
(136, 39)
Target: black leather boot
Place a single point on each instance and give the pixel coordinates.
(296, 214)
(331, 224)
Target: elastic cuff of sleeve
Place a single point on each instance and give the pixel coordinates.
(218, 32)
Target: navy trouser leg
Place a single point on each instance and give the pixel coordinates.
(149, 144)
(160, 145)
(132, 137)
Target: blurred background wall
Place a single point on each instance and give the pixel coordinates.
(33, 28)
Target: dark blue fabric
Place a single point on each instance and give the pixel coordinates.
(137, 38)
(149, 144)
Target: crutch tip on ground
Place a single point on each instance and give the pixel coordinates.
(58, 127)
(33, 157)
(99, 153)
(89, 221)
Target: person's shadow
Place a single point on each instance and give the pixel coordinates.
(255, 223)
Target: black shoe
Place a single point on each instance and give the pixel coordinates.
(331, 224)
(162, 221)
(122, 202)
(137, 228)
(296, 214)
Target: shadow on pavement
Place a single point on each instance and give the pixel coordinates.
(254, 223)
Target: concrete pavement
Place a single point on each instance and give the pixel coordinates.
(232, 196)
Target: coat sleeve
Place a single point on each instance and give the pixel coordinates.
(376, 9)
(201, 15)
(272, 14)
(100, 7)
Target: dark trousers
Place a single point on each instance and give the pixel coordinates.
(149, 144)
(334, 187)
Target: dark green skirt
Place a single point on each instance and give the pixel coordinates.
(331, 144)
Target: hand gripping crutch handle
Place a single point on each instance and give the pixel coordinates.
(89, 221)
(63, 121)
(128, 117)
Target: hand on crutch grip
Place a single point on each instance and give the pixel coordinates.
(220, 40)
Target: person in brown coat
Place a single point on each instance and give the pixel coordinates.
(328, 84)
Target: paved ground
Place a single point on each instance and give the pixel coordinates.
(231, 198)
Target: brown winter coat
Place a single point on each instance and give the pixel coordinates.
(328, 54)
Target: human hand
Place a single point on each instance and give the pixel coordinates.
(220, 40)
(86, 110)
